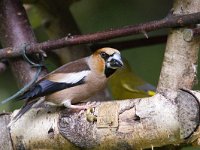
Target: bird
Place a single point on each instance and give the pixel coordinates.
(73, 82)
(126, 84)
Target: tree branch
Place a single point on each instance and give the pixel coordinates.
(168, 22)
(135, 123)
(132, 43)
(189, 34)
(14, 31)
(179, 68)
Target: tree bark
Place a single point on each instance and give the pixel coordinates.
(129, 124)
(179, 68)
(5, 140)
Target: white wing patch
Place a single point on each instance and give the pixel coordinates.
(73, 77)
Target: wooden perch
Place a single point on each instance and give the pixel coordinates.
(137, 123)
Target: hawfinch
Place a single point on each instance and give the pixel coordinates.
(74, 82)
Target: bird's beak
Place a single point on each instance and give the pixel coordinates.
(115, 61)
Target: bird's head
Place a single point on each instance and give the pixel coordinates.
(107, 60)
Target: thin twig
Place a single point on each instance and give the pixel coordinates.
(168, 22)
(190, 34)
(132, 43)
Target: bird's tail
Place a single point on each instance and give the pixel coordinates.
(28, 105)
(22, 111)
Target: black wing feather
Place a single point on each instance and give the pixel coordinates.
(47, 87)
(23, 110)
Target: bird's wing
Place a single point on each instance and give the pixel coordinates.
(75, 66)
(66, 76)
(54, 83)
(146, 87)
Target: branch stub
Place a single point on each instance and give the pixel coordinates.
(188, 111)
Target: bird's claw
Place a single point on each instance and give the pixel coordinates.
(89, 107)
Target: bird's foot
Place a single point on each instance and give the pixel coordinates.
(87, 106)
(79, 107)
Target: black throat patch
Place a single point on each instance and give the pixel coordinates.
(109, 71)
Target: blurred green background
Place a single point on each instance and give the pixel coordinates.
(98, 15)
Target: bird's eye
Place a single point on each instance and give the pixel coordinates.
(104, 55)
